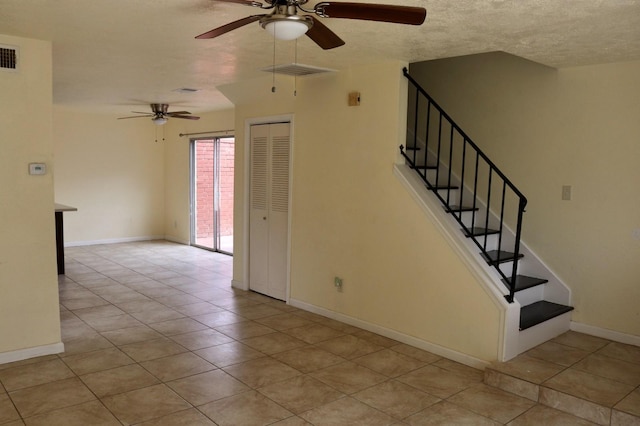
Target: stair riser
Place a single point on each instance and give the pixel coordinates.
(511, 384)
(443, 175)
(576, 406)
(619, 418)
(545, 331)
(480, 220)
(507, 268)
(530, 295)
(491, 241)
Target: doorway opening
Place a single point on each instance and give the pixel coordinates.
(212, 193)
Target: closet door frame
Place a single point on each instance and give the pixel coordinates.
(287, 118)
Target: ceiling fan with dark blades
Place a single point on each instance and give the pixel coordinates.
(160, 113)
(285, 23)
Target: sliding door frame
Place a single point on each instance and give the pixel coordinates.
(216, 246)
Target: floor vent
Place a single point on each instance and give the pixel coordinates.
(8, 58)
(296, 70)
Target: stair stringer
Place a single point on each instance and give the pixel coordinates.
(465, 249)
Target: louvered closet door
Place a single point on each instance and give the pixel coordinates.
(269, 211)
(259, 196)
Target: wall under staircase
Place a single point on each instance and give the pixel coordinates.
(478, 208)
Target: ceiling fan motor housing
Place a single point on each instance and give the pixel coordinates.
(159, 109)
(285, 23)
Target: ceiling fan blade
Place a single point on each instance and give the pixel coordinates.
(230, 27)
(137, 116)
(188, 117)
(323, 36)
(177, 113)
(245, 2)
(373, 12)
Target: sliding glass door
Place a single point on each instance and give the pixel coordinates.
(212, 193)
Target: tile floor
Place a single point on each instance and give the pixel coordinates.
(592, 378)
(155, 335)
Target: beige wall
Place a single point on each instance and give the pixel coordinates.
(129, 179)
(29, 312)
(176, 177)
(352, 218)
(546, 128)
(113, 172)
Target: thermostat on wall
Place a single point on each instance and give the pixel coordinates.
(37, 168)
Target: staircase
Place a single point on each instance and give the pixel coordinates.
(488, 210)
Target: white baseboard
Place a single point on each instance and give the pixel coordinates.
(113, 241)
(22, 354)
(395, 335)
(177, 240)
(615, 336)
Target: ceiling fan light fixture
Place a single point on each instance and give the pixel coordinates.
(158, 120)
(287, 27)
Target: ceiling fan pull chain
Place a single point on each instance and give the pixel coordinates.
(273, 70)
(295, 61)
(161, 129)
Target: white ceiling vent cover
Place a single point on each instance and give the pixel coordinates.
(8, 57)
(296, 70)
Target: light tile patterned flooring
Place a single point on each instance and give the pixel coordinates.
(155, 335)
(593, 378)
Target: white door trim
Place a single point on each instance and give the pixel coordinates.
(286, 118)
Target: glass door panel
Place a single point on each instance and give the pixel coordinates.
(212, 193)
(224, 205)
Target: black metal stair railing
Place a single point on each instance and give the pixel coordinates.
(448, 160)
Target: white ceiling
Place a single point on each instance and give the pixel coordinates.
(119, 55)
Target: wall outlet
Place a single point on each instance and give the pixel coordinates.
(37, 168)
(566, 192)
(337, 282)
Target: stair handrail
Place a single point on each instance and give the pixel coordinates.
(509, 280)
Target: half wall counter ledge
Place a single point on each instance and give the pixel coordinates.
(60, 208)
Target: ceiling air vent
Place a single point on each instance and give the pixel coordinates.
(185, 90)
(297, 70)
(8, 58)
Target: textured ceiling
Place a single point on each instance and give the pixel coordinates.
(120, 55)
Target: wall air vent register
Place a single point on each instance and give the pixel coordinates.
(8, 58)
